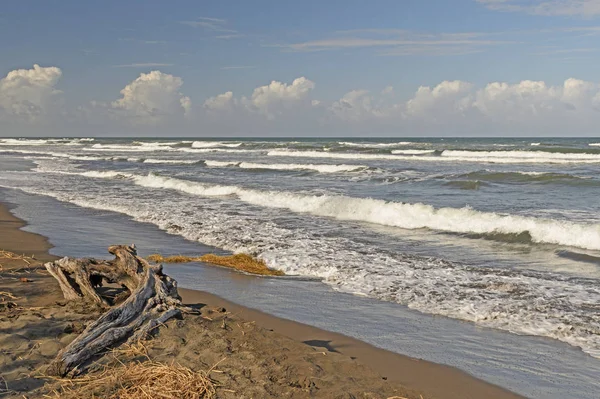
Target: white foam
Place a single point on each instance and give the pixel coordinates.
(501, 157)
(333, 155)
(594, 144)
(156, 143)
(412, 152)
(205, 150)
(210, 144)
(150, 147)
(106, 174)
(527, 155)
(375, 145)
(170, 161)
(403, 215)
(22, 142)
(535, 144)
(323, 168)
(543, 304)
(221, 164)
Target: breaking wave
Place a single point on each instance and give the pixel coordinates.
(170, 161)
(519, 176)
(396, 214)
(211, 144)
(148, 147)
(501, 157)
(520, 301)
(413, 152)
(290, 166)
(375, 145)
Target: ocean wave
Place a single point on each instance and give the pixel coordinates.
(465, 184)
(40, 142)
(413, 152)
(22, 142)
(208, 150)
(579, 257)
(500, 157)
(58, 155)
(396, 214)
(526, 155)
(519, 176)
(102, 174)
(211, 144)
(318, 168)
(375, 145)
(594, 144)
(169, 161)
(334, 155)
(522, 302)
(129, 148)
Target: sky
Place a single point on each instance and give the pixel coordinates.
(300, 68)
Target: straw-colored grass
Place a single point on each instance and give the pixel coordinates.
(241, 262)
(148, 379)
(11, 255)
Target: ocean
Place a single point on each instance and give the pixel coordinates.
(501, 233)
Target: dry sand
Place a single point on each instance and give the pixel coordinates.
(257, 355)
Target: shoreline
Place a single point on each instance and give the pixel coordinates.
(432, 379)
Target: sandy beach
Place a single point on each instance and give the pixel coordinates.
(258, 355)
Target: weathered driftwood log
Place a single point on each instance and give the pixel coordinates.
(153, 299)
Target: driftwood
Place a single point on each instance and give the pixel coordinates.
(152, 300)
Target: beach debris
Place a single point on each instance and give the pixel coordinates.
(152, 300)
(11, 255)
(140, 379)
(25, 280)
(241, 262)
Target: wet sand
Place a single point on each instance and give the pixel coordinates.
(266, 356)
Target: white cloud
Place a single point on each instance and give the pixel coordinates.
(584, 8)
(444, 94)
(354, 105)
(276, 97)
(151, 99)
(155, 99)
(222, 102)
(524, 107)
(27, 95)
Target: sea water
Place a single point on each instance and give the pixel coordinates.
(502, 233)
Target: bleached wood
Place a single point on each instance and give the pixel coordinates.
(153, 300)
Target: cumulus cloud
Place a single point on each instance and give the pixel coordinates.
(272, 99)
(155, 99)
(151, 99)
(28, 95)
(497, 106)
(443, 96)
(269, 101)
(222, 102)
(354, 105)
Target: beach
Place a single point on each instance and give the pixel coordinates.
(31, 338)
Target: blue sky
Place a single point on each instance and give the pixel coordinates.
(340, 47)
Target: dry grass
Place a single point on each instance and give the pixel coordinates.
(11, 255)
(148, 379)
(4, 294)
(241, 262)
